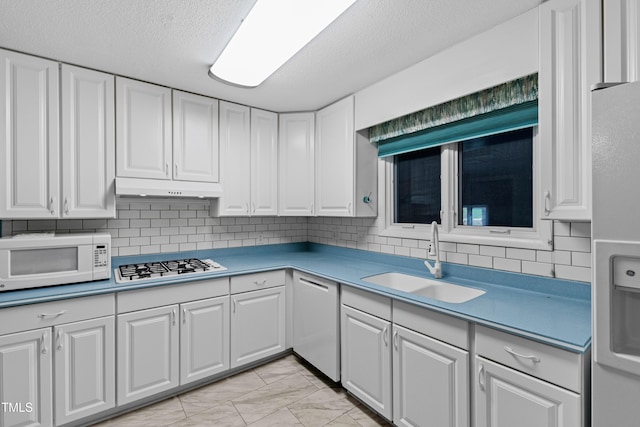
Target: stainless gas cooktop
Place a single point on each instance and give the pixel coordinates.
(154, 270)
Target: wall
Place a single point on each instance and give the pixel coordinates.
(571, 258)
(146, 226)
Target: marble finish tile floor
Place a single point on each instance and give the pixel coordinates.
(285, 392)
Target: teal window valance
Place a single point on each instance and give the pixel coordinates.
(509, 106)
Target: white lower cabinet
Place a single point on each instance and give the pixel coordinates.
(403, 374)
(430, 381)
(204, 338)
(506, 398)
(171, 335)
(366, 358)
(258, 325)
(56, 361)
(147, 353)
(84, 357)
(528, 384)
(25, 383)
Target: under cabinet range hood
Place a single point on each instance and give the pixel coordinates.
(158, 188)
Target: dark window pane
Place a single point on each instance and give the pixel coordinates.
(417, 187)
(496, 180)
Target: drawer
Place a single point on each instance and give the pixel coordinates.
(142, 299)
(436, 325)
(368, 302)
(252, 282)
(552, 364)
(34, 316)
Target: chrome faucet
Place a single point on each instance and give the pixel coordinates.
(436, 269)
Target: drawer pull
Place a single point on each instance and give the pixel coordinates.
(534, 359)
(51, 315)
(262, 283)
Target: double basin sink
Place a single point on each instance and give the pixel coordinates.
(421, 286)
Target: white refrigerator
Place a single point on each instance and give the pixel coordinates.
(616, 255)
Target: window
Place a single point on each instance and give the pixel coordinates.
(495, 185)
(480, 191)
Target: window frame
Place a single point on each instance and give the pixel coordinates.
(539, 237)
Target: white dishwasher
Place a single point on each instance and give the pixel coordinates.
(316, 314)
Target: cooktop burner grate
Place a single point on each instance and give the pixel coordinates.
(151, 270)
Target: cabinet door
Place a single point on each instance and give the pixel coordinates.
(25, 379)
(315, 323)
(296, 164)
(88, 144)
(235, 164)
(506, 398)
(430, 381)
(29, 145)
(84, 368)
(147, 353)
(143, 130)
(366, 358)
(195, 138)
(257, 325)
(264, 163)
(335, 164)
(204, 338)
(621, 40)
(570, 63)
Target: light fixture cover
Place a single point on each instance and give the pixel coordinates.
(272, 33)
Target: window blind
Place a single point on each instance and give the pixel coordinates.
(506, 107)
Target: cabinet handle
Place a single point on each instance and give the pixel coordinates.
(533, 358)
(547, 203)
(43, 316)
(395, 339)
(43, 343)
(166, 169)
(59, 339)
(173, 316)
(481, 377)
(66, 206)
(384, 336)
(234, 306)
(184, 315)
(262, 283)
(52, 208)
(253, 208)
(246, 207)
(349, 208)
(176, 170)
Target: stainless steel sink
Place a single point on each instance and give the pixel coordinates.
(430, 288)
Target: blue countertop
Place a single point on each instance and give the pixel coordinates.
(553, 311)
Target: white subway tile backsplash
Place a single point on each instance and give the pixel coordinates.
(164, 226)
(521, 254)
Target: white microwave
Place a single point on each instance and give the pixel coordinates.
(34, 260)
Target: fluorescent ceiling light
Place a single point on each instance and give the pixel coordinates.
(272, 33)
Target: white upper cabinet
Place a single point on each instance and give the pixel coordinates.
(143, 130)
(29, 125)
(296, 164)
(45, 176)
(346, 164)
(570, 63)
(621, 40)
(249, 154)
(235, 154)
(264, 162)
(195, 138)
(88, 143)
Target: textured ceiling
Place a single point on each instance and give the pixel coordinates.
(174, 42)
